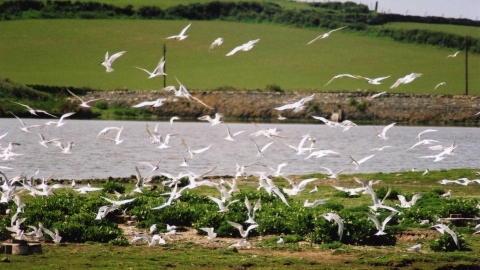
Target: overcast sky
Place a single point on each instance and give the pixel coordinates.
(469, 9)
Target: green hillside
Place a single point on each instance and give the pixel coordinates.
(471, 31)
(70, 51)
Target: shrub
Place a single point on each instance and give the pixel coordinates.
(446, 243)
(273, 87)
(111, 186)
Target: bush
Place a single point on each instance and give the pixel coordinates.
(113, 186)
(446, 243)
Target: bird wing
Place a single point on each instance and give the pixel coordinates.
(374, 220)
(387, 219)
(115, 56)
(75, 95)
(402, 199)
(201, 150)
(265, 147)
(304, 183)
(314, 39)
(185, 30)
(331, 31)
(397, 83)
(145, 103)
(285, 107)
(238, 226)
(160, 66)
(454, 235)
(384, 131)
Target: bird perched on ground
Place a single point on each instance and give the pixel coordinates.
(109, 60)
(407, 79)
(325, 35)
(425, 172)
(448, 194)
(280, 240)
(416, 247)
(182, 35)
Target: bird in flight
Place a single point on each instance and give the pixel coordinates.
(245, 47)
(182, 35)
(375, 81)
(109, 60)
(296, 106)
(83, 104)
(341, 76)
(453, 55)
(407, 79)
(326, 34)
(216, 42)
(158, 71)
(440, 84)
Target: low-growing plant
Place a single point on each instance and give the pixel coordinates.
(113, 186)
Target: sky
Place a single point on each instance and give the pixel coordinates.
(469, 9)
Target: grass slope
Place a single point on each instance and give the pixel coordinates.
(69, 53)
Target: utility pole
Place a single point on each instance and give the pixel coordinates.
(466, 65)
(165, 66)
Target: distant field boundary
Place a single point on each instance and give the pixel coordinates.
(326, 15)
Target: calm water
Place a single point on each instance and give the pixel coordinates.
(102, 158)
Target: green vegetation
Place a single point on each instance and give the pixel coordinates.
(306, 231)
(451, 29)
(281, 57)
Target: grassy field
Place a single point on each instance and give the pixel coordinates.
(68, 54)
(471, 31)
(194, 253)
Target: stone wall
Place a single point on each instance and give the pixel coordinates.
(352, 105)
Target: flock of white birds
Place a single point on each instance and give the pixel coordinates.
(225, 188)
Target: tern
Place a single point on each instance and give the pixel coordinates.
(408, 204)
(216, 42)
(280, 241)
(326, 121)
(152, 229)
(109, 61)
(380, 148)
(342, 76)
(223, 208)
(453, 55)
(24, 127)
(158, 71)
(296, 189)
(210, 234)
(34, 111)
(65, 149)
(448, 194)
(314, 203)
(44, 142)
(358, 162)
(243, 233)
(118, 203)
(230, 135)
(383, 135)
(423, 132)
(423, 142)
(260, 151)
(376, 202)
(296, 106)
(378, 94)
(442, 228)
(60, 121)
(182, 35)
(55, 236)
(440, 84)
(338, 220)
(240, 244)
(245, 47)
(194, 152)
(156, 103)
(83, 103)
(375, 81)
(251, 211)
(381, 227)
(173, 195)
(325, 35)
(213, 121)
(333, 175)
(351, 191)
(407, 79)
(117, 138)
(106, 130)
(173, 119)
(104, 210)
(416, 247)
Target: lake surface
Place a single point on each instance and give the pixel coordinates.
(92, 158)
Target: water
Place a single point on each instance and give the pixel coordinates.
(101, 159)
